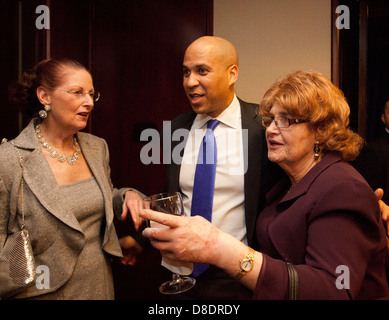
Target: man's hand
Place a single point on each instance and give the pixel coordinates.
(131, 250)
(383, 207)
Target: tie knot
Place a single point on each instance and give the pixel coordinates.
(212, 124)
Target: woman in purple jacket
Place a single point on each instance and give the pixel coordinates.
(321, 235)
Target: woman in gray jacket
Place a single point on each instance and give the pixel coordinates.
(68, 193)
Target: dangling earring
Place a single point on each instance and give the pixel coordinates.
(316, 149)
(43, 113)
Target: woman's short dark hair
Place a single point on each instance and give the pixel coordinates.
(47, 73)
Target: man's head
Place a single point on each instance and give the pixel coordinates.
(210, 71)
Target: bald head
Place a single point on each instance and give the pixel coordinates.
(210, 71)
(215, 47)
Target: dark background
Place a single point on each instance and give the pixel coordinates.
(134, 50)
(362, 63)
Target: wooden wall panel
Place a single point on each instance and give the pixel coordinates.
(138, 52)
(134, 50)
(69, 30)
(9, 127)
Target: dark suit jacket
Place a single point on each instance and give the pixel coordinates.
(329, 219)
(373, 164)
(258, 179)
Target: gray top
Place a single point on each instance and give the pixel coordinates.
(85, 202)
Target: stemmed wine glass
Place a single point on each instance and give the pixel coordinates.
(171, 203)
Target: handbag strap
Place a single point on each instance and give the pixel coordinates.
(21, 185)
(293, 281)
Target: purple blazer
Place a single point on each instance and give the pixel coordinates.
(329, 219)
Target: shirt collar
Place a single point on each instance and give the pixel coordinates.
(228, 116)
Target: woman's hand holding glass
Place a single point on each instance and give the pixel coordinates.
(191, 239)
(169, 205)
(197, 240)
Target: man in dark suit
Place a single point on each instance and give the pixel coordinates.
(373, 162)
(210, 71)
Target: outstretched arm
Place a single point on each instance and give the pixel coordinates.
(194, 239)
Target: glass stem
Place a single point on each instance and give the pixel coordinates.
(176, 278)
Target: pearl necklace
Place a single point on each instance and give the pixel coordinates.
(54, 154)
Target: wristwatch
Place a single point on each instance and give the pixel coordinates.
(245, 265)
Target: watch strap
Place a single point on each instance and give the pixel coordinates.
(250, 256)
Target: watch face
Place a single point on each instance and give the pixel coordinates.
(246, 265)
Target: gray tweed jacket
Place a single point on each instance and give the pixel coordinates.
(56, 236)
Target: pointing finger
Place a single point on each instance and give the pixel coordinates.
(169, 220)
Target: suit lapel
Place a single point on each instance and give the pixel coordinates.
(39, 178)
(45, 188)
(252, 177)
(303, 186)
(92, 151)
(173, 171)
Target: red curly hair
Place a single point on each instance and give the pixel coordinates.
(309, 95)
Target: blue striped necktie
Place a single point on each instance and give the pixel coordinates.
(204, 182)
